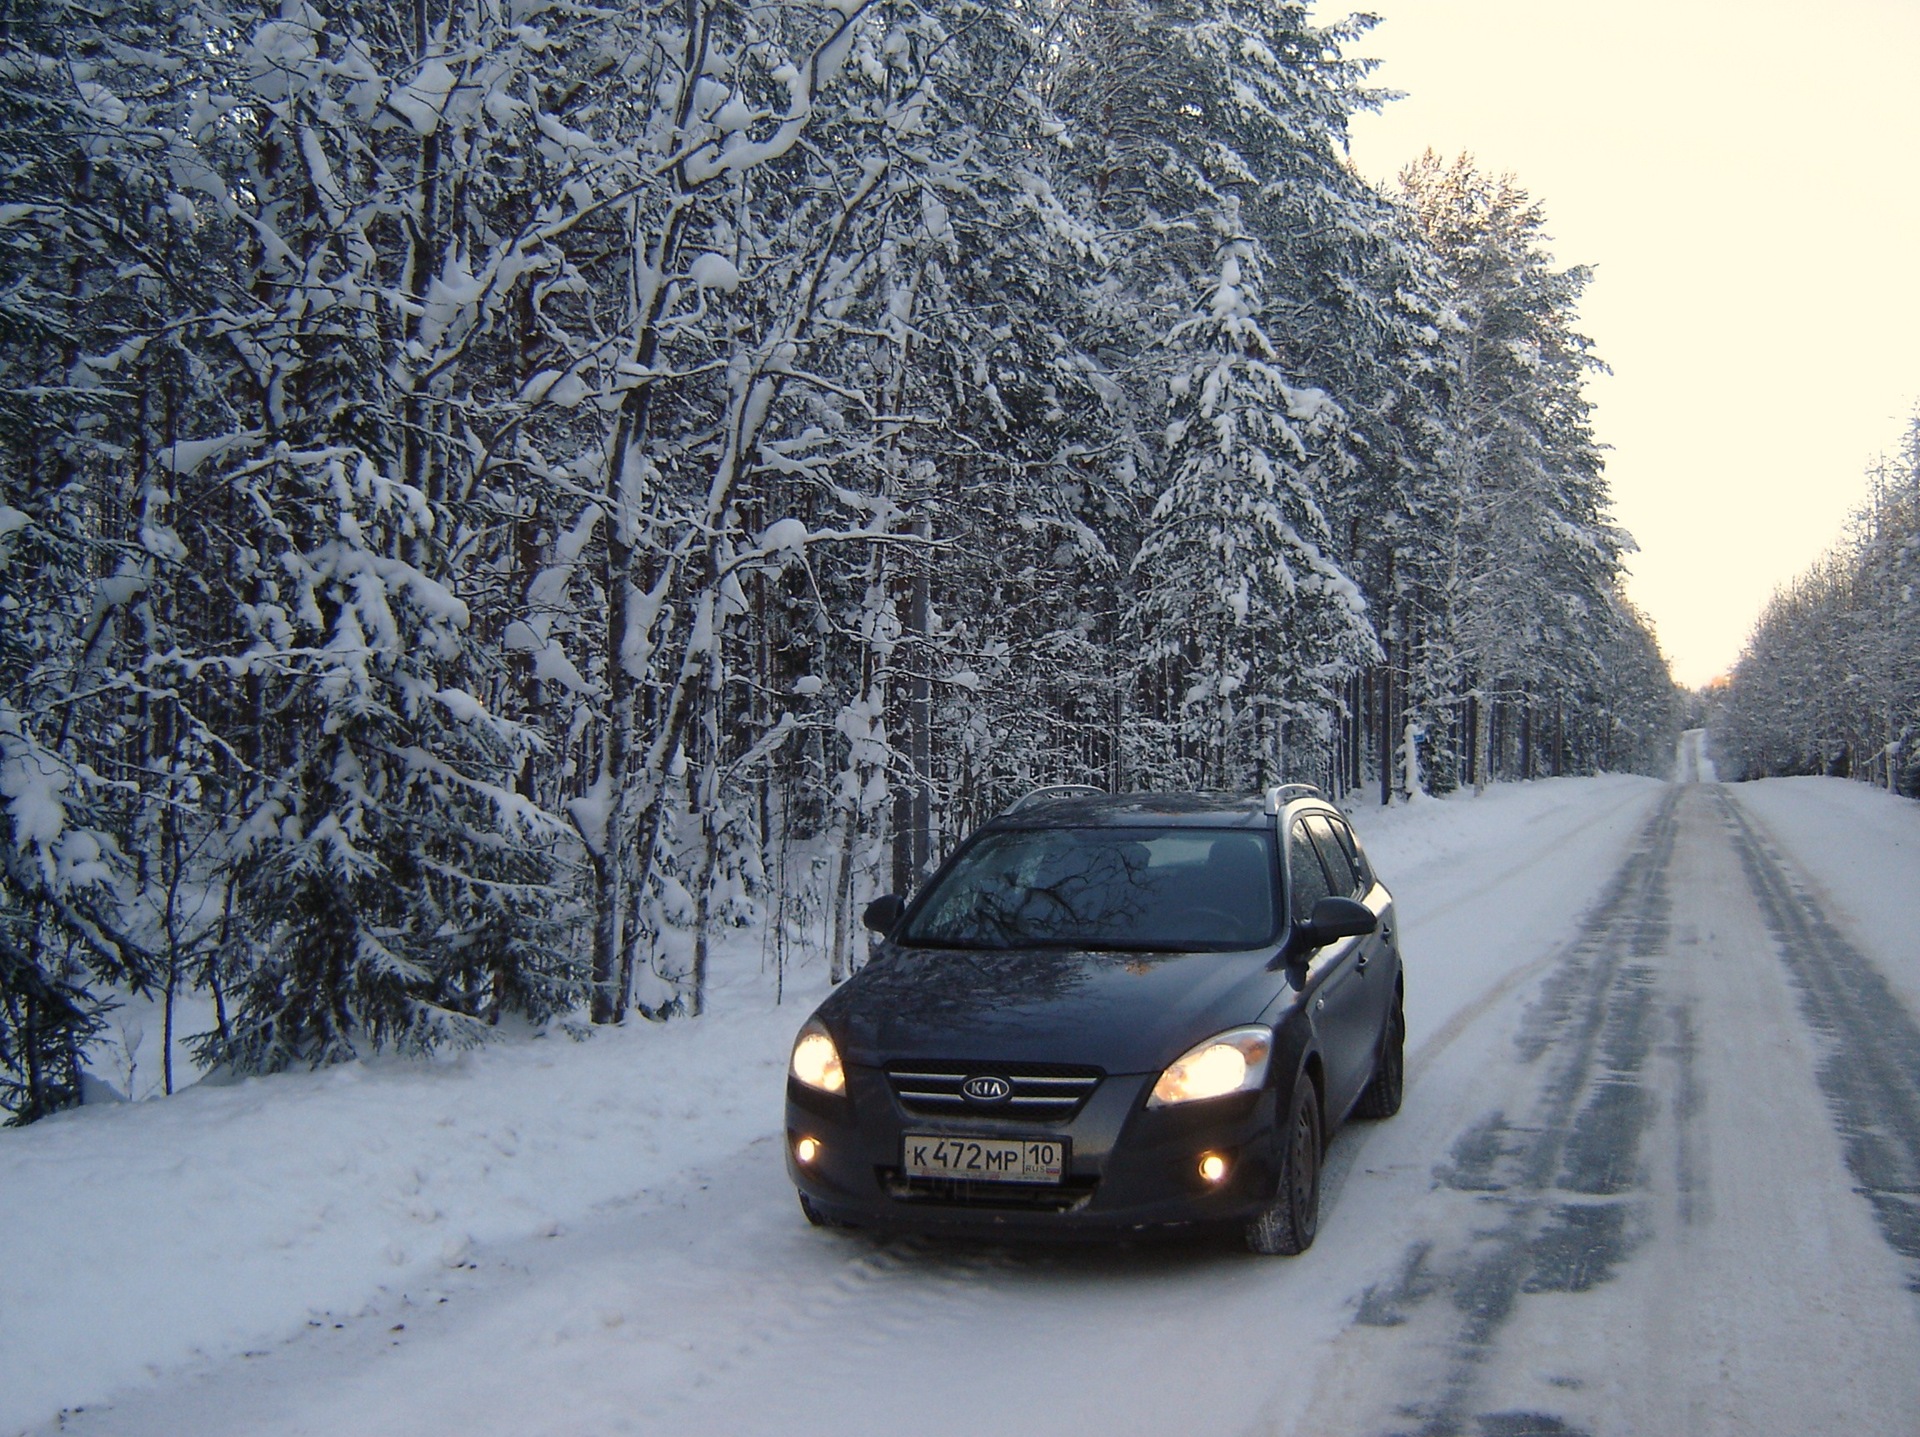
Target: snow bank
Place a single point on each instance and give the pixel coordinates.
(142, 1236)
(1861, 846)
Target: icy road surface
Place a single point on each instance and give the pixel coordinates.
(1658, 1173)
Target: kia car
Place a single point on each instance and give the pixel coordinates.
(1108, 1014)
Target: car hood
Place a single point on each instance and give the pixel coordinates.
(1122, 1012)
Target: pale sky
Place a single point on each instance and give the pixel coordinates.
(1745, 180)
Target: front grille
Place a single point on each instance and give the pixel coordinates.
(1069, 1196)
(1041, 1092)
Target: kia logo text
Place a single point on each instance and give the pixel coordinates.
(987, 1090)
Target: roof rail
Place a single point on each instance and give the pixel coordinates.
(1279, 795)
(1054, 790)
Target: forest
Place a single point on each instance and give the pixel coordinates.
(1829, 682)
(495, 492)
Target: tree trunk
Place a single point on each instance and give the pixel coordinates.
(1386, 727)
(840, 960)
(703, 914)
(913, 800)
(1476, 744)
(612, 974)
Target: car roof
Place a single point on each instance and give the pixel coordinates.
(1124, 810)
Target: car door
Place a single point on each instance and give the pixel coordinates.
(1370, 891)
(1337, 995)
(1349, 875)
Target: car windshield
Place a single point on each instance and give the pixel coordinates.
(1148, 889)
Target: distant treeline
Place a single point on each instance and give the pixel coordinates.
(494, 490)
(1829, 682)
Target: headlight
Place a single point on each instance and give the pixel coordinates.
(816, 1062)
(1231, 1062)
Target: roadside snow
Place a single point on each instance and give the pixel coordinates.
(141, 1236)
(1861, 847)
(1488, 887)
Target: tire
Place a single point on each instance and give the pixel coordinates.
(1384, 1090)
(814, 1215)
(1286, 1225)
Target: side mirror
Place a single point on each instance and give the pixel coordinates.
(1335, 918)
(883, 914)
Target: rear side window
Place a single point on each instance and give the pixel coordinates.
(1346, 883)
(1356, 855)
(1308, 878)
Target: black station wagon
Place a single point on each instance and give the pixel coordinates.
(1108, 1013)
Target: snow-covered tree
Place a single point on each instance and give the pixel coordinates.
(71, 563)
(1237, 589)
(1534, 560)
(1829, 681)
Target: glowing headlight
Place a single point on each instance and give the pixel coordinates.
(816, 1062)
(1231, 1062)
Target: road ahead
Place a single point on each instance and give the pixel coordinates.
(1687, 1203)
(1657, 1174)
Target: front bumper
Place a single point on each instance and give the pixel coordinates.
(1129, 1167)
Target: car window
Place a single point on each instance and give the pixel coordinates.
(1153, 889)
(1334, 854)
(1309, 879)
(1357, 855)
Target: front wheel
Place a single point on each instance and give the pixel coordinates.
(1382, 1096)
(1287, 1224)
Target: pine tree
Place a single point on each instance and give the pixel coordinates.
(1236, 584)
(1536, 559)
(1828, 682)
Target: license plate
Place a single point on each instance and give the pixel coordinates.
(993, 1160)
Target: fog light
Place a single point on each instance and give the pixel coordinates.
(1213, 1167)
(806, 1149)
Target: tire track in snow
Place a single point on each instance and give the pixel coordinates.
(1559, 1178)
(1540, 855)
(1870, 1074)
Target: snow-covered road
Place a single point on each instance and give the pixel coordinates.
(1657, 1173)
(1651, 1224)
